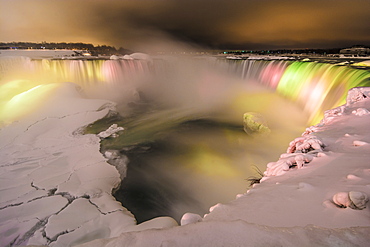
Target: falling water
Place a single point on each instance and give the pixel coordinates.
(314, 86)
(184, 135)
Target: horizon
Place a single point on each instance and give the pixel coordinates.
(217, 24)
(206, 49)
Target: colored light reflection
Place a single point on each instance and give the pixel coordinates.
(24, 100)
(273, 72)
(206, 161)
(319, 87)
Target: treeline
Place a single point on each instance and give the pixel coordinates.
(94, 50)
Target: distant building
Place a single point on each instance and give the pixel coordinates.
(360, 51)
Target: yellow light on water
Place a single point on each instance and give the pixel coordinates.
(23, 101)
(206, 161)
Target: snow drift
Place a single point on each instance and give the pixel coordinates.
(298, 206)
(56, 186)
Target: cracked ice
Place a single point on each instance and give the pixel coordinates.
(55, 185)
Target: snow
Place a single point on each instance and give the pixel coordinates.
(189, 218)
(42, 53)
(298, 207)
(365, 63)
(56, 186)
(111, 131)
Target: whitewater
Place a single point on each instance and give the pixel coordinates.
(57, 186)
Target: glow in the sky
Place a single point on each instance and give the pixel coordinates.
(250, 24)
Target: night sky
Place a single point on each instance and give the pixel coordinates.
(216, 24)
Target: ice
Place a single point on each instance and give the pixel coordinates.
(359, 143)
(111, 131)
(357, 94)
(360, 112)
(56, 187)
(305, 144)
(297, 208)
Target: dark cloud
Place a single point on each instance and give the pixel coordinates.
(247, 24)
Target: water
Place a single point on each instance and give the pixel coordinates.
(184, 135)
(315, 86)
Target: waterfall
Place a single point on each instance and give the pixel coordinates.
(186, 143)
(89, 72)
(315, 86)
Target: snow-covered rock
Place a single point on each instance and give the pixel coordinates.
(360, 112)
(358, 199)
(127, 57)
(114, 57)
(305, 144)
(352, 199)
(111, 131)
(141, 56)
(190, 218)
(286, 162)
(357, 94)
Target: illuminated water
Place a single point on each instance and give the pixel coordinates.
(183, 119)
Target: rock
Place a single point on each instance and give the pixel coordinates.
(341, 199)
(255, 123)
(358, 199)
(352, 199)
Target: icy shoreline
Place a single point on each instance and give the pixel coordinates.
(298, 206)
(56, 186)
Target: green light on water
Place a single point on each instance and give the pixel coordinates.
(319, 87)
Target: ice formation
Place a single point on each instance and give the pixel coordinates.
(360, 112)
(111, 131)
(301, 151)
(286, 162)
(305, 144)
(56, 186)
(357, 94)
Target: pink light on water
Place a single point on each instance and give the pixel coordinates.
(273, 72)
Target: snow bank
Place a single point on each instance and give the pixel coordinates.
(55, 184)
(301, 206)
(239, 233)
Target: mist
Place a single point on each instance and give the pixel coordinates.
(183, 120)
(188, 116)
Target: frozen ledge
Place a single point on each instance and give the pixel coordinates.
(56, 187)
(55, 184)
(305, 149)
(313, 195)
(238, 233)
